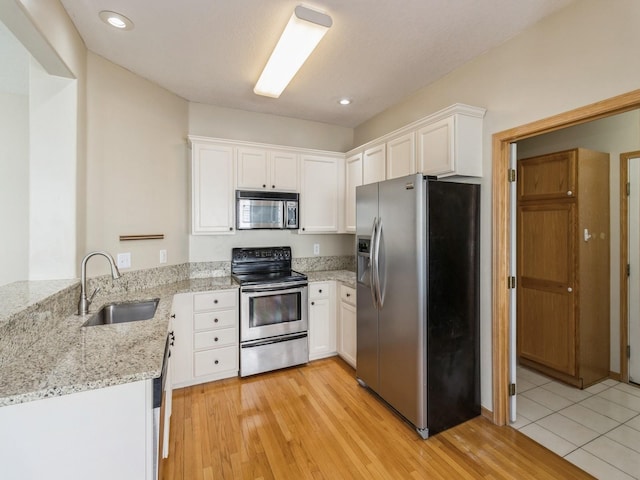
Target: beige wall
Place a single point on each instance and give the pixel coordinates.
(136, 167)
(220, 122)
(574, 58)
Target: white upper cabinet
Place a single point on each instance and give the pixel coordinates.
(373, 164)
(401, 155)
(353, 179)
(212, 187)
(265, 169)
(320, 193)
(452, 145)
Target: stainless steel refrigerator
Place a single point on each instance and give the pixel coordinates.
(417, 243)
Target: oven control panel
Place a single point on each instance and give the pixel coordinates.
(246, 255)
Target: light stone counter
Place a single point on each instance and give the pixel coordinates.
(70, 358)
(45, 351)
(345, 276)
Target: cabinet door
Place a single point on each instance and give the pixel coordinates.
(319, 194)
(348, 335)
(401, 156)
(546, 303)
(435, 148)
(253, 169)
(213, 202)
(284, 171)
(181, 351)
(353, 180)
(373, 164)
(322, 328)
(547, 176)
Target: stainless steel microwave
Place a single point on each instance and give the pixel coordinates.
(266, 210)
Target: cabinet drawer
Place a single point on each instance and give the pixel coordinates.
(319, 290)
(347, 295)
(215, 300)
(215, 338)
(221, 319)
(215, 360)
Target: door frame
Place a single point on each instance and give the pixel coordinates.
(624, 260)
(501, 232)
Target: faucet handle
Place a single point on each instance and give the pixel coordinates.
(93, 294)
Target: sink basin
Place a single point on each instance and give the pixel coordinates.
(124, 312)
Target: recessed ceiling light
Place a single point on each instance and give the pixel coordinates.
(344, 101)
(116, 20)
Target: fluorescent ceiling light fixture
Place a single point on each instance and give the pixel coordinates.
(302, 34)
(116, 20)
(344, 101)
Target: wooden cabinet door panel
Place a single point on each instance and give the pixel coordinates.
(546, 250)
(547, 177)
(546, 328)
(546, 285)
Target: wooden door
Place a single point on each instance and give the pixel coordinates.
(546, 284)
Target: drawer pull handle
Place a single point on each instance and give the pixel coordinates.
(216, 362)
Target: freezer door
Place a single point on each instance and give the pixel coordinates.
(402, 318)
(367, 313)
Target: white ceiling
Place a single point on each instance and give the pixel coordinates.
(377, 51)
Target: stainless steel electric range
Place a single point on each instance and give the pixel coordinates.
(273, 309)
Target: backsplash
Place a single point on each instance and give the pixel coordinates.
(317, 264)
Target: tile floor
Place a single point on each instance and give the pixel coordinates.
(597, 429)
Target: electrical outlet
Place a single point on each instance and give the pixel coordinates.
(124, 260)
(163, 256)
(316, 249)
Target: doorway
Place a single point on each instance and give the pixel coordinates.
(501, 231)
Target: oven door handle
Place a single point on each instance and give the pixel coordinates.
(280, 287)
(271, 341)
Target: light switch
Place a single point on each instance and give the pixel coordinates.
(316, 249)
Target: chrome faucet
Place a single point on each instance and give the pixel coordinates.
(83, 304)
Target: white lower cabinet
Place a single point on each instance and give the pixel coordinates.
(100, 434)
(347, 333)
(206, 337)
(322, 320)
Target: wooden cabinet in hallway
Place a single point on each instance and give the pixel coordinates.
(563, 265)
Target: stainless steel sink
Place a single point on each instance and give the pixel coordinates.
(124, 312)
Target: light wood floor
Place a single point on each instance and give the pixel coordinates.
(316, 422)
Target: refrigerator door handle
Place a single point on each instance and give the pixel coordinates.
(379, 304)
(372, 270)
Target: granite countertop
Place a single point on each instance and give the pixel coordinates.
(345, 276)
(71, 358)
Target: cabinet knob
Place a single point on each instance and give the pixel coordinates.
(215, 320)
(216, 362)
(569, 289)
(313, 303)
(273, 186)
(569, 193)
(320, 291)
(173, 316)
(215, 301)
(215, 339)
(264, 185)
(303, 229)
(348, 295)
(231, 229)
